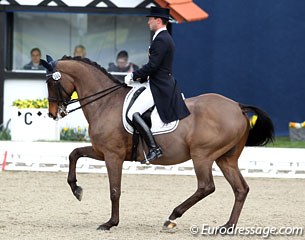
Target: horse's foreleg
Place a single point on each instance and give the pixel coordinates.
(73, 157)
(206, 186)
(114, 169)
(240, 188)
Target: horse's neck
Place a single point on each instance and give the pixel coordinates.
(91, 82)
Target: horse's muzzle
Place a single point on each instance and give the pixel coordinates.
(52, 116)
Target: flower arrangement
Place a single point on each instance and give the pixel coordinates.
(27, 103)
(297, 131)
(297, 125)
(74, 134)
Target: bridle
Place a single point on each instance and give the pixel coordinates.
(56, 76)
(63, 102)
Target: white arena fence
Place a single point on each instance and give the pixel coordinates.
(53, 157)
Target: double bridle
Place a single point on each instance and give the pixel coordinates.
(62, 102)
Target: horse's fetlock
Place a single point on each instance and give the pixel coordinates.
(71, 181)
(115, 194)
(115, 223)
(176, 214)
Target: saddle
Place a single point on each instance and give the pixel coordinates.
(151, 118)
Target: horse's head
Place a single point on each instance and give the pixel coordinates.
(60, 89)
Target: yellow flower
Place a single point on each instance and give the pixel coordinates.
(27, 103)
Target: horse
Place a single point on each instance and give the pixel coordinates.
(217, 130)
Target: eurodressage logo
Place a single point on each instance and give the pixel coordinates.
(264, 232)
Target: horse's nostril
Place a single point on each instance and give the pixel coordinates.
(50, 115)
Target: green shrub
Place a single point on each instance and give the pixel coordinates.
(5, 133)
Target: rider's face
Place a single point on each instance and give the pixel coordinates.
(153, 23)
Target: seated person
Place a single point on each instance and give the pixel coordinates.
(79, 51)
(122, 64)
(35, 63)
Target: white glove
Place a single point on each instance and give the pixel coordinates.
(128, 79)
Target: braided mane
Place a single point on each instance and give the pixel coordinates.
(94, 64)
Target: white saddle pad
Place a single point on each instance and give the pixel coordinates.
(158, 127)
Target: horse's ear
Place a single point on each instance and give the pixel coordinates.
(49, 59)
(46, 65)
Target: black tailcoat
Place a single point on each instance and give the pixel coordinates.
(164, 88)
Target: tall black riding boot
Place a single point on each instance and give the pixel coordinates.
(154, 151)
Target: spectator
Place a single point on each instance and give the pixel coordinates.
(79, 51)
(122, 64)
(35, 63)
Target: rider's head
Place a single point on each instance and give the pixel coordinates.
(158, 18)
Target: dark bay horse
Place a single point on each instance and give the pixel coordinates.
(217, 130)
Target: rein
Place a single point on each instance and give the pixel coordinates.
(106, 92)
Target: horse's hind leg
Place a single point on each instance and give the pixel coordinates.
(73, 157)
(229, 166)
(203, 170)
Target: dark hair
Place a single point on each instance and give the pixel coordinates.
(122, 54)
(164, 20)
(36, 49)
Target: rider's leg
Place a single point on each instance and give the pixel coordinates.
(144, 102)
(154, 151)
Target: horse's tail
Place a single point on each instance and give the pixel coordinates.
(263, 131)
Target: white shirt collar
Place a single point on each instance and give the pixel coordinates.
(158, 31)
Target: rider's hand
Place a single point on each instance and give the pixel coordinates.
(128, 79)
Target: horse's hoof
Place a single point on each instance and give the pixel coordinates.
(78, 193)
(103, 228)
(169, 225)
(106, 226)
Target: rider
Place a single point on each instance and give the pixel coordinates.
(163, 90)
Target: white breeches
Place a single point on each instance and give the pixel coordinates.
(143, 103)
